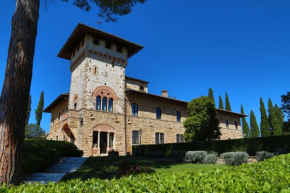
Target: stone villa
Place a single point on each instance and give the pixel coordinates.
(106, 110)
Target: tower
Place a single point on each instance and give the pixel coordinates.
(97, 91)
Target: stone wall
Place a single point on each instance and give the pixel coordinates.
(147, 107)
(230, 132)
(135, 85)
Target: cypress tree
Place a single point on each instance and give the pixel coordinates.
(265, 126)
(280, 117)
(28, 110)
(274, 123)
(254, 125)
(245, 126)
(228, 105)
(210, 94)
(221, 104)
(39, 110)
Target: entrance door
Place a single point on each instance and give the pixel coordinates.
(103, 142)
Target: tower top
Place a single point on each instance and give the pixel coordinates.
(82, 30)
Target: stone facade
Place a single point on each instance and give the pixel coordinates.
(105, 110)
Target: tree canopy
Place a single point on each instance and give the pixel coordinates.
(228, 105)
(39, 110)
(245, 125)
(285, 106)
(33, 131)
(254, 125)
(221, 104)
(210, 94)
(273, 120)
(264, 126)
(202, 122)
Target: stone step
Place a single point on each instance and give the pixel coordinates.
(57, 171)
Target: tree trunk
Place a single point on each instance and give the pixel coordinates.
(16, 88)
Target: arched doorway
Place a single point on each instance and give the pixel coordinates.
(69, 134)
(103, 139)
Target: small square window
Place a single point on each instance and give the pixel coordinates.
(96, 41)
(119, 49)
(108, 45)
(142, 88)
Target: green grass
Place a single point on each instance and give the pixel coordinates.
(104, 168)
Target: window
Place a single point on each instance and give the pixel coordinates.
(178, 116)
(98, 103)
(119, 49)
(134, 109)
(159, 138)
(104, 104)
(135, 137)
(227, 124)
(179, 138)
(108, 45)
(142, 88)
(96, 41)
(158, 113)
(75, 106)
(110, 105)
(58, 117)
(236, 124)
(156, 138)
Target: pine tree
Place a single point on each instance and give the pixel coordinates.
(274, 123)
(280, 117)
(221, 104)
(254, 125)
(228, 105)
(39, 110)
(265, 126)
(245, 126)
(28, 110)
(210, 94)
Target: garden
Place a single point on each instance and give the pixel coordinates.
(270, 175)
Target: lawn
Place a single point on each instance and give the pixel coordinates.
(104, 167)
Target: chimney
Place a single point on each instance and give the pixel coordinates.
(164, 93)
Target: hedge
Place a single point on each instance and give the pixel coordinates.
(249, 145)
(272, 175)
(39, 154)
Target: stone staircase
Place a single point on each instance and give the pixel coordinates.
(57, 171)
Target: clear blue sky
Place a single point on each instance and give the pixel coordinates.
(240, 47)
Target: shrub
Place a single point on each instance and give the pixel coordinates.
(271, 175)
(139, 170)
(194, 156)
(155, 154)
(210, 158)
(39, 154)
(178, 155)
(249, 145)
(262, 155)
(235, 158)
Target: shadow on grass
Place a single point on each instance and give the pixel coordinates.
(104, 167)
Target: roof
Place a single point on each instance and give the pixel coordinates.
(153, 95)
(58, 100)
(226, 111)
(131, 78)
(81, 30)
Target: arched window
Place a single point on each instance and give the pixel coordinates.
(236, 124)
(134, 109)
(227, 124)
(104, 104)
(178, 116)
(98, 103)
(158, 113)
(110, 105)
